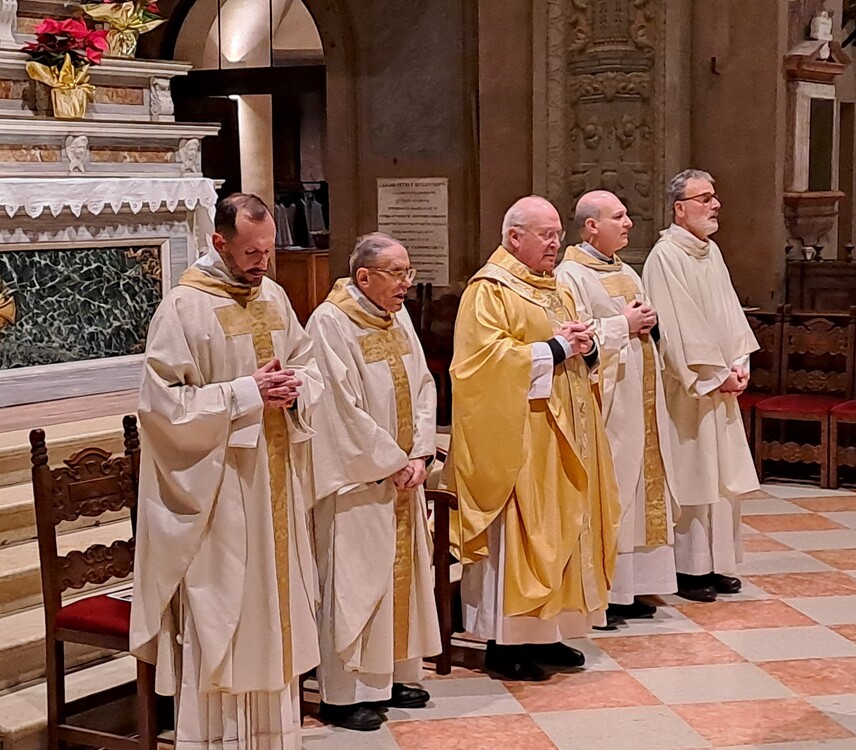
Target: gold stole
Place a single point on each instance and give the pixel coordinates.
(388, 344)
(618, 284)
(259, 318)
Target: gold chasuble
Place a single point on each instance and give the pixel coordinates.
(224, 585)
(541, 467)
(372, 540)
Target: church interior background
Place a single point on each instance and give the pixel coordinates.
(428, 120)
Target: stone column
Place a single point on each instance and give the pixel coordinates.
(256, 143)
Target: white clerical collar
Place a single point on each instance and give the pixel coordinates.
(370, 307)
(688, 241)
(590, 249)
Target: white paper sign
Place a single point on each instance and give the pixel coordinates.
(416, 212)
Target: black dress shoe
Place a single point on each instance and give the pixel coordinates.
(356, 716)
(695, 588)
(513, 663)
(636, 611)
(612, 622)
(404, 696)
(555, 654)
(724, 584)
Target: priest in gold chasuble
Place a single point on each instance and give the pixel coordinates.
(224, 584)
(530, 460)
(375, 434)
(634, 407)
(706, 346)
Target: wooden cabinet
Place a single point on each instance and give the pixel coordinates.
(305, 276)
(821, 286)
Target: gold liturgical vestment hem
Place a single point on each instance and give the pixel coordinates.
(387, 344)
(620, 285)
(258, 319)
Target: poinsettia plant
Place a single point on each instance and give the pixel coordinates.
(68, 38)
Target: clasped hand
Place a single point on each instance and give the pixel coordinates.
(641, 318)
(278, 387)
(737, 381)
(411, 476)
(579, 335)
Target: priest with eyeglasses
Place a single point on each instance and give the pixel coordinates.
(375, 436)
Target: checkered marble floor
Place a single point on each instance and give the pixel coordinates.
(773, 667)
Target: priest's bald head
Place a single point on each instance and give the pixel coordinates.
(244, 236)
(532, 232)
(601, 220)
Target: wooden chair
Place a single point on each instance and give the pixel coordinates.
(91, 483)
(841, 416)
(443, 503)
(817, 375)
(765, 366)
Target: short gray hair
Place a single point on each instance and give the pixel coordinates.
(368, 247)
(677, 188)
(588, 210)
(518, 216)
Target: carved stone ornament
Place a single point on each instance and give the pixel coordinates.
(77, 153)
(189, 156)
(160, 101)
(810, 216)
(8, 23)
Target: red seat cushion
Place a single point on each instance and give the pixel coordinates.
(748, 399)
(798, 403)
(847, 410)
(97, 614)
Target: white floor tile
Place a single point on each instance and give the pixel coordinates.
(790, 491)
(460, 698)
(597, 660)
(777, 644)
(813, 540)
(841, 708)
(810, 745)
(827, 610)
(845, 518)
(667, 620)
(648, 728)
(717, 683)
(765, 563)
(769, 507)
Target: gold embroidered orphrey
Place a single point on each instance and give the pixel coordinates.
(656, 527)
(390, 346)
(259, 319)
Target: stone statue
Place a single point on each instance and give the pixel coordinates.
(821, 31)
(160, 98)
(189, 156)
(77, 150)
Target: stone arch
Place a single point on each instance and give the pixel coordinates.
(335, 26)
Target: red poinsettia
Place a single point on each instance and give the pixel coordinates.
(70, 36)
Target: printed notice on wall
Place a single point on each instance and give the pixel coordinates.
(416, 212)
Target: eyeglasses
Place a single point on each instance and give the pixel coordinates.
(402, 275)
(704, 198)
(546, 237)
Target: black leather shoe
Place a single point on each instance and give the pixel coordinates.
(404, 696)
(695, 588)
(612, 622)
(636, 611)
(356, 716)
(555, 654)
(724, 584)
(512, 663)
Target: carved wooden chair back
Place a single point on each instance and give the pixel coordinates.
(91, 483)
(443, 503)
(818, 353)
(766, 363)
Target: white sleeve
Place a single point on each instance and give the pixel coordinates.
(246, 413)
(541, 377)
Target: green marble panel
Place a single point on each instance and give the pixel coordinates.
(76, 304)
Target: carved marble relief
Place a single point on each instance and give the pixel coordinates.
(77, 304)
(605, 99)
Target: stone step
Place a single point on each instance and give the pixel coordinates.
(22, 648)
(20, 584)
(18, 517)
(23, 712)
(63, 440)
